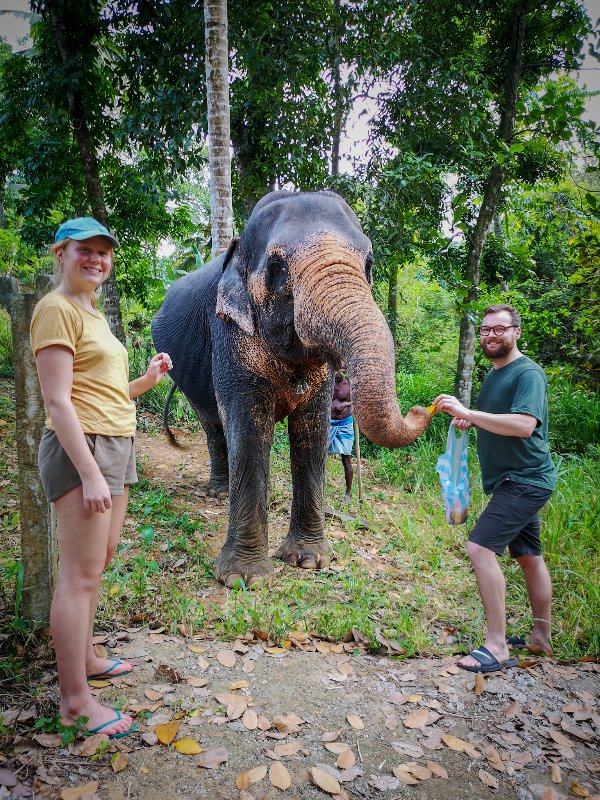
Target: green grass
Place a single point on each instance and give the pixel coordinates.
(401, 572)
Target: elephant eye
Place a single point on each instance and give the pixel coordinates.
(369, 268)
(277, 273)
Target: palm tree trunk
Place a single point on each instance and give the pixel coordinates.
(491, 195)
(217, 93)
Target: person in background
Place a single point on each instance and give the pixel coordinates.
(341, 431)
(517, 470)
(86, 457)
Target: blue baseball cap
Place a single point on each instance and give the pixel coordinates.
(84, 228)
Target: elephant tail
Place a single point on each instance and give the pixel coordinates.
(170, 435)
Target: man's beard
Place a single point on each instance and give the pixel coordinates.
(501, 351)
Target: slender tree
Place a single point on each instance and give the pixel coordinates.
(217, 93)
(75, 26)
(491, 195)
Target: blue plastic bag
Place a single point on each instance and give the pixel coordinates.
(453, 469)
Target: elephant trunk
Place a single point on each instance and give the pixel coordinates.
(334, 309)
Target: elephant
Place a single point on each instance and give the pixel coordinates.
(255, 336)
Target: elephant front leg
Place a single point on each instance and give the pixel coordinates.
(245, 552)
(305, 545)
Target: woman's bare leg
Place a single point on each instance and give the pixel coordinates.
(93, 664)
(83, 541)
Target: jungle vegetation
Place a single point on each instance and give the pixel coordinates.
(456, 130)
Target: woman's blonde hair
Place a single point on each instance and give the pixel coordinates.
(56, 249)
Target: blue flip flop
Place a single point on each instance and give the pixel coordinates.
(111, 722)
(108, 672)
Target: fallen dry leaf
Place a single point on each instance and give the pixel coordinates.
(324, 780)
(479, 684)
(187, 746)
(438, 770)
(513, 709)
(48, 739)
(7, 778)
(226, 658)
(404, 775)
(287, 749)
(330, 736)
(355, 721)
(555, 774)
(88, 746)
(167, 732)
(118, 762)
(456, 744)
(79, 792)
(153, 695)
(239, 685)
(346, 759)
(212, 758)
(245, 779)
(198, 683)
(235, 710)
(559, 738)
(337, 747)
(488, 779)
(196, 649)
(417, 718)
(287, 724)
(250, 720)
(494, 759)
(579, 791)
(279, 776)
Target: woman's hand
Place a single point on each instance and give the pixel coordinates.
(96, 494)
(157, 367)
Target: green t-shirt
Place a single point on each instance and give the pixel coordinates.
(518, 388)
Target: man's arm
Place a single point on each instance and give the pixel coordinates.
(522, 425)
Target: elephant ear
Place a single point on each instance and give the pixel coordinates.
(233, 300)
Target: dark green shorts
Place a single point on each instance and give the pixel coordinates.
(115, 455)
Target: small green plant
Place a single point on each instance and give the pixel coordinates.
(54, 725)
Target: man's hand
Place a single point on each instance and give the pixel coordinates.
(449, 404)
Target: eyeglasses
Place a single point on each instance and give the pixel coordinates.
(497, 330)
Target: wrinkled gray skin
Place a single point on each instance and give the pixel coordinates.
(254, 337)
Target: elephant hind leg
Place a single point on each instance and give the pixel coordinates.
(218, 482)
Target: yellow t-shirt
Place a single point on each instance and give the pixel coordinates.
(100, 393)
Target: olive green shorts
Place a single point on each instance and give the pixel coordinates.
(115, 455)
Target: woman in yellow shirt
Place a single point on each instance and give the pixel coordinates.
(86, 457)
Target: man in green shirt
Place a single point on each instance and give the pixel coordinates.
(517, 470)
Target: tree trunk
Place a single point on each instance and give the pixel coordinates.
(338, 105)
(38, 525)
(491, 195)
(89, 163)
(217, 94)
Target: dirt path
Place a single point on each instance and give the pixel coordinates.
(531, 732)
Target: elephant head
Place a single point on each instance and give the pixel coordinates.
(300, 277)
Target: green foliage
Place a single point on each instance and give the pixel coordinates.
(574, 418)
(6, 348)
